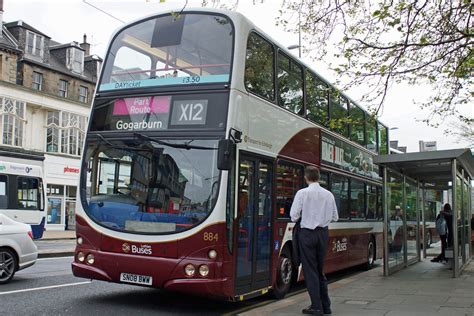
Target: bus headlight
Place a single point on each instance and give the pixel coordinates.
(80, 240)
(80, 256)
(212, 254)
(204, 270)
(90, 259)
(189, 270)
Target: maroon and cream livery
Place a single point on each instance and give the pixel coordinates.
(200, 130)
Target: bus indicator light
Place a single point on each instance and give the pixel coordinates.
(212, 254)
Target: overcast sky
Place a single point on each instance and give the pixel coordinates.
(68, 20)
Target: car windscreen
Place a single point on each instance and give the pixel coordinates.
(150, 187)
(178, 49)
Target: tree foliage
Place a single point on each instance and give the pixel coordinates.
(380, 42)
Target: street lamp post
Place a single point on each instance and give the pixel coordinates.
(299, 33)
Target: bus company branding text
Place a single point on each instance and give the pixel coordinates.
(128, 85)
(258, 142)
(141, 250)
(339, 245)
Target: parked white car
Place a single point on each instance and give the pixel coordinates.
(17, 249)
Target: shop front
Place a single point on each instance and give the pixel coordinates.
(61, 177)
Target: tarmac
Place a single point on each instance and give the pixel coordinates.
(425, 288)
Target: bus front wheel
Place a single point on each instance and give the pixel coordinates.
(284, 274)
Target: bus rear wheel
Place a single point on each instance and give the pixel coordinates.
(371, 254)
(284, 274)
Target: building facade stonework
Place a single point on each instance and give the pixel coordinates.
(46, 90)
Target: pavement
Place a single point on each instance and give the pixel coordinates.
(56, 244)
(424, 288)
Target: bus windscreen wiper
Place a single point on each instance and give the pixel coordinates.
(186, 146)
(102, 138)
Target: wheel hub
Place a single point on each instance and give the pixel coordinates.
(286, 270)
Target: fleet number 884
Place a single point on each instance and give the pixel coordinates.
(211, 236)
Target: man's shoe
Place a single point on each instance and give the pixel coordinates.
(327, 311)
(310, 311)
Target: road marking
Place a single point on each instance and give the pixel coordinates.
(55, 258)
(44, 288)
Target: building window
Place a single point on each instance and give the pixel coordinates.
(83, 94)
(63, 85)
(75, 60)
(12, 120)
(34, 44)
(65, 132)
(37, 80)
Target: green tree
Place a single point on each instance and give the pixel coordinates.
(379, 43)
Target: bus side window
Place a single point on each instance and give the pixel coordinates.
(340, 189)
(290, 84)
(3, 192)
(28, 193)
(259, 70)
(289, 179)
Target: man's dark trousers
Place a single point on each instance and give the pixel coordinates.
(313, 246)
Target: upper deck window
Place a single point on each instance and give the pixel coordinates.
(170, 50)
(290, 84)
(259, 68)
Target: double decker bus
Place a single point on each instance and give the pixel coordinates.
(200, 130)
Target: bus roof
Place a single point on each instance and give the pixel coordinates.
(238, 18)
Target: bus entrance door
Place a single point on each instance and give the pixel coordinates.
(253, 253)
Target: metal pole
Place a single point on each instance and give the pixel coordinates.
(299, 30)
(385, 223)
(404, 219)
(455, 246)
(418, 218)
(424, 234)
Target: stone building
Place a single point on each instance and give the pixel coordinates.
(46, 91)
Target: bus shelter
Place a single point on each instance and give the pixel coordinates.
(406, 177)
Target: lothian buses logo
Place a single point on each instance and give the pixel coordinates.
(141, 250)
(126, 247)
(339, 245)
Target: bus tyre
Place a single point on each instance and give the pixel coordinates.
(371, 255)
(284, 274)
(8, 264)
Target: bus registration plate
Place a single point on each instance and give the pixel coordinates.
(135, 278)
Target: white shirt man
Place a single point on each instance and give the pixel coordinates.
(317, 208)
(317, 205)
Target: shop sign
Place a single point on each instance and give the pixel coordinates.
(68, 169)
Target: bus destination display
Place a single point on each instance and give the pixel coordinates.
(154, 113)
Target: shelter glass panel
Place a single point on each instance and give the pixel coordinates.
(395, 219)
(412, 220)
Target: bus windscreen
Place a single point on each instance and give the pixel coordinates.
(179, 49)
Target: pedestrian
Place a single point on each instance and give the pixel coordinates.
(317, 208)
(442, 229)
(448, 215)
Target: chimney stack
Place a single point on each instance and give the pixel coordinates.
(84, 45)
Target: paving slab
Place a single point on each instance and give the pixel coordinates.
(425, 288)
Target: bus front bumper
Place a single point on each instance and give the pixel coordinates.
(164, 271)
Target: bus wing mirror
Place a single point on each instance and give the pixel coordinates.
(225, 154)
